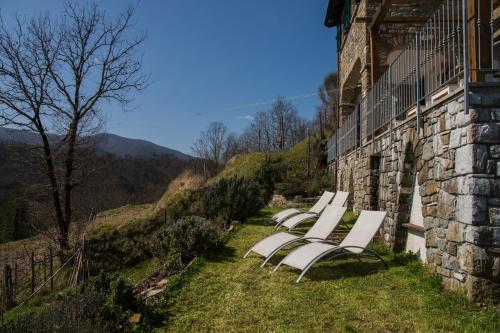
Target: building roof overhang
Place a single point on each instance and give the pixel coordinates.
(334, 13)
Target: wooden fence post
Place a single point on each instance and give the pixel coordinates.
(44, 271)
(14, 289)
(8, 286)
(32, 272)
(51, 269)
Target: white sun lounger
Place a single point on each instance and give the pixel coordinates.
(325, 198)
(339, 200)
(323, 227)
(355, 243)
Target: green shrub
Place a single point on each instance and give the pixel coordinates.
(180, 242)
(184, 203)
(318, 184)
(290, 189)
(270, 173)
(231, 199)
(103, 304)
(109, 248)
(74, 313)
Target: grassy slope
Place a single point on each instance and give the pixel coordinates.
(247, 165)
(235, 295)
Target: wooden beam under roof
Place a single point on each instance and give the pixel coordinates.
(381, 12)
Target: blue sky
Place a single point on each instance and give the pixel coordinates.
(207, 56)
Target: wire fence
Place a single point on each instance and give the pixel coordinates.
(459, 43)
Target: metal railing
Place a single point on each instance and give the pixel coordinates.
(440, 54)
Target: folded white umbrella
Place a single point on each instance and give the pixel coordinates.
(325, 198)
(355, 243)
(339, 200)
(327, 222)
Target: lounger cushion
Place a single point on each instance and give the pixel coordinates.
(300, 257)
(282, 213)
(266, 246)
(297, 219)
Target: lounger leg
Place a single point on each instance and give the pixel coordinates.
(312, 262)
(276, 250)
(375, 254)
(278, 266)
(246, 254)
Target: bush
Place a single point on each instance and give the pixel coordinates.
(183, 203)
(180, 242)
(74, 313)
(103, 304)
(270, 173)
(230, 199)
(109, 248)
(290, 190)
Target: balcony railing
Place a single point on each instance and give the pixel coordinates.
(441, 53)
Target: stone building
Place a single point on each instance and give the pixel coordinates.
(419, 131)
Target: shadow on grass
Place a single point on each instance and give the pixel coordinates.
(346, 267)
(225, 254)
(262, 218)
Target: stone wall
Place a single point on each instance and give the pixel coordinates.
(457, 157)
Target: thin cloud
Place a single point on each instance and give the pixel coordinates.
(246, 117)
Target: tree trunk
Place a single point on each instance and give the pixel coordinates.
(68, 176)
(51, 173)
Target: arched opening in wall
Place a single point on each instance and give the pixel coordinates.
(409, 227)
(373, 182)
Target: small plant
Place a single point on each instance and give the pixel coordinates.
(231, 199)
(180, 242)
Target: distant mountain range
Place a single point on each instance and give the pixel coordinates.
(105, 143)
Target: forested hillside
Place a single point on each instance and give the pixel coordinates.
(105, 181)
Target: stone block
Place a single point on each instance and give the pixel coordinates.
(450, 186)
(451, 248)
(449, 262)
(455, 136)
(483, 133)
(471, 209)
(471, 159)
(478, 235)
(431, 187)
(455, 232)
(441, 244)
(471, 184)
(494, 216)
(472, 259)
(427, 152)
(496, 238)
(443, 271)
(459, 276)
(431, 238)
(446, 205)
(495, 151)
(462, 119)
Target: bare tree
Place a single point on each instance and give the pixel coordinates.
(326, 114)
(276, 129)
(233, 147)
(210, 146)
(54, 76)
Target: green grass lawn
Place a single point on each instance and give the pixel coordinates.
(231, 294)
